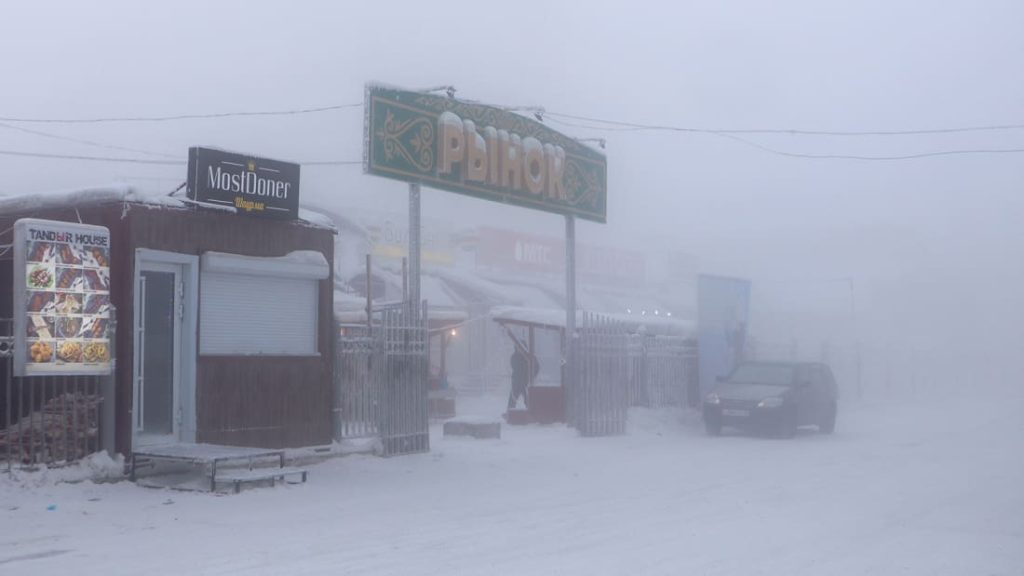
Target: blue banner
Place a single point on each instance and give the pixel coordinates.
(723, 313)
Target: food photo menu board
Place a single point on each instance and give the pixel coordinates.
(62, 298)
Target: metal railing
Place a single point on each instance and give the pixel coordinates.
(662, 370)
(598, 398)
(380, 380)
(617, 368)
(49, 420)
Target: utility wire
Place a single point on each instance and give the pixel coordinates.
(605, 125)
(621, 125)
(634, 127)
(333, 163)
(293, 112)
(111, 159)
(81, 141)
(115, 159)
(733, 135)
(962, 152)
(93, 158)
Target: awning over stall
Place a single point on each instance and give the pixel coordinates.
(555, 320)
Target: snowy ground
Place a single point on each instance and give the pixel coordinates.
(932, 488)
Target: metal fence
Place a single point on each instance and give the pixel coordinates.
(617, 368)
(380, 380)
(598, 395)
(45, 420)
(662, 369)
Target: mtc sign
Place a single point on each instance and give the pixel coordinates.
(482, 151)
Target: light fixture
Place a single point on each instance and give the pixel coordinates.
(455, 332)
(629, 310)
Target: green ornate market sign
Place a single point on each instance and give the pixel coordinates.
(482, 151)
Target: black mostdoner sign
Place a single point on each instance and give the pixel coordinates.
(253, 186)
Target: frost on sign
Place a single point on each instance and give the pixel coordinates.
(482, 151)
(62, 298)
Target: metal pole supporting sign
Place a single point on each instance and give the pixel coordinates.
(570, 304)
(414, 246)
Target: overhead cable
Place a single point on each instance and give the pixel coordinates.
(292, 112)
(634, 126)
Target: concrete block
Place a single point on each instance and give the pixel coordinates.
(481, 429)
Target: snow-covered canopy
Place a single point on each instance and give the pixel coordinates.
(555, 319)
(351, 309)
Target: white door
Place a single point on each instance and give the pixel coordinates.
(159, 306)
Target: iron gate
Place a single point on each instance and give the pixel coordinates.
(380, 381)
(662, 368)
(45, 420)
(599, 394)
(617, 368)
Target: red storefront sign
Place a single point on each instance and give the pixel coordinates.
(511, 251)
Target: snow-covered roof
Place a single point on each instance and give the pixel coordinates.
(82, 197)
(555, 319)
(472, 287)
(618, 302)
(324, 216)
(547, 318)
(351, 309)
(432, 289)
(469, 286)
(539, 292)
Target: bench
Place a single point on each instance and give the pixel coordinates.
(239, 477)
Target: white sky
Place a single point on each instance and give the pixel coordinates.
(934, 245)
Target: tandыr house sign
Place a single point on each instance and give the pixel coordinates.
(482, 151)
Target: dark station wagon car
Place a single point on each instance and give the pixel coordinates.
(773, 397)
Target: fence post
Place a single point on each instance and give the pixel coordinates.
(107, 390)
(8, 373)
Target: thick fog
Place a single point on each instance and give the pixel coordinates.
(919, 254)
(860, 163)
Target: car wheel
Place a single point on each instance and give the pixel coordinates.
(828, 423)
(713, 426)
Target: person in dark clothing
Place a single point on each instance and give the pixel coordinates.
(520, 363)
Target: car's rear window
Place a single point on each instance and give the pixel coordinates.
(771, 374)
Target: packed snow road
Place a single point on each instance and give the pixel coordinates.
(902, 488)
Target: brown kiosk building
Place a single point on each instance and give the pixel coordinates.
(224, 327)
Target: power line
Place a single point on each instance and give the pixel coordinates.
(81, 141)
(93, 158)
(116, 159)
(292, 112)
(333, 163)
(635, 127)
(733, 135)
(150, 178)
(915, 156)
(605, 123)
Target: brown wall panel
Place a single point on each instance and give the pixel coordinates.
(251, 401)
